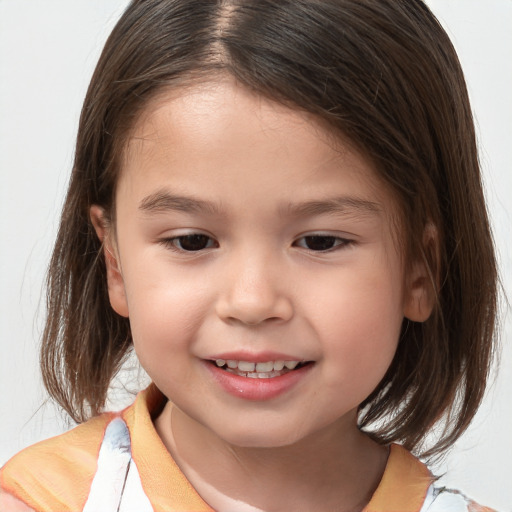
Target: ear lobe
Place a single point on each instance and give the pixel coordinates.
(421, 283)
(115, 281)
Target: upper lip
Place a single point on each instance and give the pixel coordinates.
(256, 357)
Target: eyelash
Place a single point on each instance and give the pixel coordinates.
(176, 243)
(338, 242)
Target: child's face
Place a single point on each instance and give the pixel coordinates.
(243, 234)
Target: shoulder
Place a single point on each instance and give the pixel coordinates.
(408, 484)
(55, 474)
(441, 499)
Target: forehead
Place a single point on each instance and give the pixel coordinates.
(221, 107)
(221, 132)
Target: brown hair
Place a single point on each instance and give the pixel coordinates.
(383, 73)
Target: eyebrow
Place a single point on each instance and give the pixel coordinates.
(162, 201)
(338, 205)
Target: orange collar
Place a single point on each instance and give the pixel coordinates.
(403, 486)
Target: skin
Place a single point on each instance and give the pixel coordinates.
(12, 504)
(259, 285)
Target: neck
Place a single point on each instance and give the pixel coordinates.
(339, 464)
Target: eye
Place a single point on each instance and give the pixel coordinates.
(321, 243)
(190, 243)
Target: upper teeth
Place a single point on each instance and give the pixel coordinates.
(246, 366)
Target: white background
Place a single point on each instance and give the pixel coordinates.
(47, 54)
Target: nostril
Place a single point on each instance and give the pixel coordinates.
(255, 312)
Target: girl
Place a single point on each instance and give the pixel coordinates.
(279, 205)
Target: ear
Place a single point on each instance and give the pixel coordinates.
(115, 282)
(422, 280)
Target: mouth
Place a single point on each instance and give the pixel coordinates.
(260, 370)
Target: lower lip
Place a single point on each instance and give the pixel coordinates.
(258, 389)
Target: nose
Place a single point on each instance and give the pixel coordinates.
(254, 291)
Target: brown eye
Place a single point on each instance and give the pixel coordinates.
(192, 243)
(321, 243)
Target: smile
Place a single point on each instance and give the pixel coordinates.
(258, 377)
(261, 370)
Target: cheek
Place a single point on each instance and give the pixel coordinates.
(365, 337)
(360, 321)
(164, 311)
